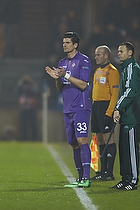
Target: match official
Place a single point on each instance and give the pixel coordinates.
(127, 113)
(104, 98)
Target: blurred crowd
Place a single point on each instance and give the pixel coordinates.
(10, 14)
(119, 21)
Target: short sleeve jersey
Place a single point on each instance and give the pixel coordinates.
(75, 99)
(106, 86)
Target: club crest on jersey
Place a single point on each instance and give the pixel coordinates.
(73, 65)
(102, 80)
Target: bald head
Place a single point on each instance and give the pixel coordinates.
(105, 49)
(102, 54)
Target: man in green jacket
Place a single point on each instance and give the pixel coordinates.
(127, 113)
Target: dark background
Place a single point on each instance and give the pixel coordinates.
(31, 37)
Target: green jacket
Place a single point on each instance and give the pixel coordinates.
(129, 94)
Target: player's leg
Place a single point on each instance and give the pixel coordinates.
(77, 159)
(86, 160)
(81, 123)
(70, 131)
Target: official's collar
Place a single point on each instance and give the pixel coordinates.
(104, 65)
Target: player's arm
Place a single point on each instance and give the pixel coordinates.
(77, 82)
(59, 85)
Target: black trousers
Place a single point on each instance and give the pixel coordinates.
(129, 153)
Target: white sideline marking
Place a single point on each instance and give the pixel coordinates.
(81, 194)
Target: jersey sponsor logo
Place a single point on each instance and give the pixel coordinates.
(66, 83)
(85, 67)
(102, 80)
(64, 67)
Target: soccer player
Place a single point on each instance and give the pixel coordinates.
(104, 98)
(127, 113)
(72, 79)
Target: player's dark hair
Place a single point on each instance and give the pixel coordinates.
(129, 46)
(73, 36)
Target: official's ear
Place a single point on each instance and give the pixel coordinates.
(106, 56)
(130, 52)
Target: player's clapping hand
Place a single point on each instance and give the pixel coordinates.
(60, 72)
(52, 72)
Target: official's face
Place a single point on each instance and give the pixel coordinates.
(68, 45)
(124, 53)
(100, 57)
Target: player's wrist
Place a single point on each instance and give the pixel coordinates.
(67, 76)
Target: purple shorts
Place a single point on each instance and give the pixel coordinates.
(76, 125)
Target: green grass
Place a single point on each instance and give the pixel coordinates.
(30, 179)
(99, 192)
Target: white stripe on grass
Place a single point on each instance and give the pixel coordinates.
(82, 195)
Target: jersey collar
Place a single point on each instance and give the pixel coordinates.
(104, 65)
(128, 61)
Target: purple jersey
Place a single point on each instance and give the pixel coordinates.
(74, 99)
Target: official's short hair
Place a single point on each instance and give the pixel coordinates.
(73, 36)
(129, 46)
(106, 50)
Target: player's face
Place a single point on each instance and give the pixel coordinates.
(124, 53)
(68, 45)
(100, 57)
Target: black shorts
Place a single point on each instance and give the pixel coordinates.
(100, 123)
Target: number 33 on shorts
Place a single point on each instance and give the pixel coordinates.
(82, 127)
